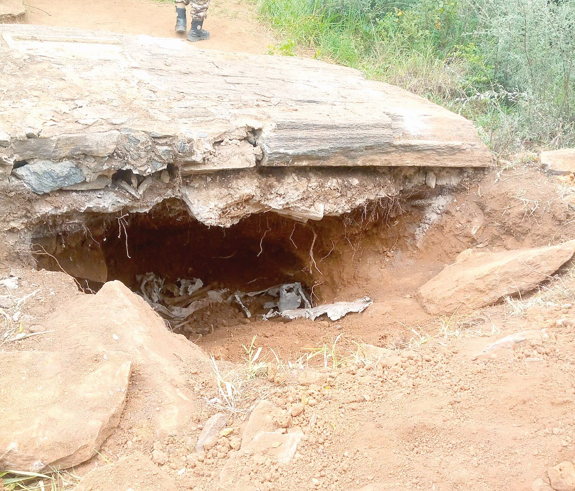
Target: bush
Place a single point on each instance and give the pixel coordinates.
(506, 65)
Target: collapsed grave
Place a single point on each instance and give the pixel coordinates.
(200, 178)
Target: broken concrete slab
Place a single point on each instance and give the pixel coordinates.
(242, 114)
(480, 278)
(45, 176)
(11, 11)
(136, 472)
(56, 411)
(559, 161)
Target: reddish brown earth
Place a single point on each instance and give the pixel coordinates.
(432, 409)
(437, 407)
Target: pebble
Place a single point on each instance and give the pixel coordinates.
(159, 457)
(296, 410)
(562, 477)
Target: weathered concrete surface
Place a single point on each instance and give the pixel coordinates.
(57, 410)
(110, 102)
(480, 278)
(11, 11)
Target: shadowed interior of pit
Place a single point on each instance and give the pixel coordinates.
(261, 251)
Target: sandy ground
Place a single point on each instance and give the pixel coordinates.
(232, 24)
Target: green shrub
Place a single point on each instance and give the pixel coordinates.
(506, 65)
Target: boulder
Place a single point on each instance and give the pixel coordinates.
(559, 161)
(116, 320)
(135, 472)
(479, 278)
(58, 408)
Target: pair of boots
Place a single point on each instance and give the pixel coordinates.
(196, 32)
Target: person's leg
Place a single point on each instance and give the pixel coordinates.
(181, 22)
(198, 11)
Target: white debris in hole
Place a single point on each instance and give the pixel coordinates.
(334, 311)
(177, 302)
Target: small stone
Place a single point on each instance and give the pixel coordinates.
(540, 485)
(211, 432)
(430, 179)
(159, 457)
(236, 442)
(283, 419)
(296, 410)
(562, 477)
(6, 302)
(165, 176)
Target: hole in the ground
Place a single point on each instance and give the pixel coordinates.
(162, 253)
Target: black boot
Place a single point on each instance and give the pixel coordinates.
(197, 33)
(181, 22)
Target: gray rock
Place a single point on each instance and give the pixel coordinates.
(45, 176)
(211, 432)
(34, 148)
(94, 144)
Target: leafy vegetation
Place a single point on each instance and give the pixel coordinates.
(508, 66)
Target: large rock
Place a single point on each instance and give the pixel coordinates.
(58, 408)
(136, 473)
(559, 161)
(479, 278)
(118, 320)
(44, 176)
(246, 110)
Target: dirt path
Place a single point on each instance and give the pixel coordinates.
(232, 23)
